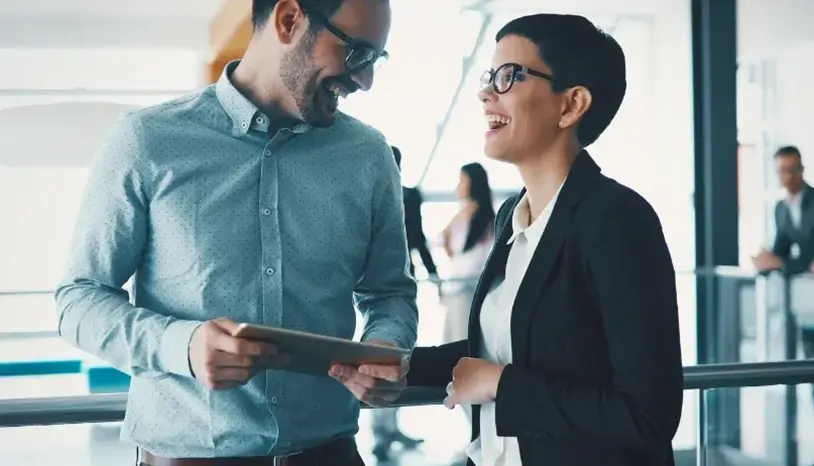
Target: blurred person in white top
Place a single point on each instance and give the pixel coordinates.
(467, 241)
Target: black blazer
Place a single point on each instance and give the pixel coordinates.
(788, 234)
(596, 376)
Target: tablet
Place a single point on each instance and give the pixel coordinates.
(314, 354)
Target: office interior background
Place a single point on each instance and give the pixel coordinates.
(714, 87)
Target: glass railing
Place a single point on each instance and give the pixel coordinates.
(762, 435)
(741, 318)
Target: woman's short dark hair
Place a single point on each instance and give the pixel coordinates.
(578, 54)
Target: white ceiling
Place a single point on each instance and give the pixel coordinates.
(111, 9)
(106, 23)
(765, 27)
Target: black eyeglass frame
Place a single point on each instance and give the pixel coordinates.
(355, 47)
(488, 77)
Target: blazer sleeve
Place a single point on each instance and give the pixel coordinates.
(631, 275)
(431, 366)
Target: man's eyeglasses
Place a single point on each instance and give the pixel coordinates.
(361, 54)
(502, 79)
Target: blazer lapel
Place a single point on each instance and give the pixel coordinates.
(582, 174)
(495, 267)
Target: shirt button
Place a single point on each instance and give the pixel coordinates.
(260, 120)
(274, 400)
(266, 211)
(244, 125)
(267, 153)
(269, 271)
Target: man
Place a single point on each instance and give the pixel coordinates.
(252, 200)
(385, 423)
(793, 249)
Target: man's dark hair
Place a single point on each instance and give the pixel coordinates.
(261, 9)
(578, 54)
(397, 156)
(786, 151)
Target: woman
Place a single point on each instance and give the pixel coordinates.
(467, 241)
(573, 354)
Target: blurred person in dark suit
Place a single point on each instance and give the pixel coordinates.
(416, 240)
(793, 250)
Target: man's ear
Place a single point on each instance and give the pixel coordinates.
(289, 21)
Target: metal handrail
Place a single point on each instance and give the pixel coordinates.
(110, 407)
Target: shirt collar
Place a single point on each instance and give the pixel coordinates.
(243, 113)
(521, 215)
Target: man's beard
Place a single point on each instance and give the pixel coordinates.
(299, 75)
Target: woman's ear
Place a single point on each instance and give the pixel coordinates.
(577, 101)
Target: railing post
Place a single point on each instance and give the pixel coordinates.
(701, 451)
(790, 401)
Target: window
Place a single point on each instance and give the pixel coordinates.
(42, 179)
(412, 90)
(141, 70)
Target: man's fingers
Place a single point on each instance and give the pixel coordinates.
(367, 389)
(389, 373)
(226, 324)
(346, 373)
(229, 344)
(223, 359)
(377, 397)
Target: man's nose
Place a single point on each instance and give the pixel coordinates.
(364, 78)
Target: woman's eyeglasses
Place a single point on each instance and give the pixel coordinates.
(502, 79)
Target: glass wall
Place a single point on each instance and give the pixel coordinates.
(774, 101)
(649, 147)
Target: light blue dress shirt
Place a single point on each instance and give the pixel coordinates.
(216, 218)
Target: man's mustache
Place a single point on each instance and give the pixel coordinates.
(343, 80)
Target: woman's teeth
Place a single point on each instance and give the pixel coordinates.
(497, 121)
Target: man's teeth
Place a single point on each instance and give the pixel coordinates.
(338, 91)
(497, 121)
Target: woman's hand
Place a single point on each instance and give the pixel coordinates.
(474, 382)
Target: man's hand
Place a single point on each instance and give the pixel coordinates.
(474, 382)
(221, 362)
(766, 261)
(376, 385)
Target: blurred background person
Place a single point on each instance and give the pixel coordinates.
(467, 241)
(384, 422)
(416, 240)
(793, 248)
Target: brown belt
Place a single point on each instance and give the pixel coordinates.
(148, 459)
(300, 459)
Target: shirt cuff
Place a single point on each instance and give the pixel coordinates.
(174, 353)
(389, 337)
